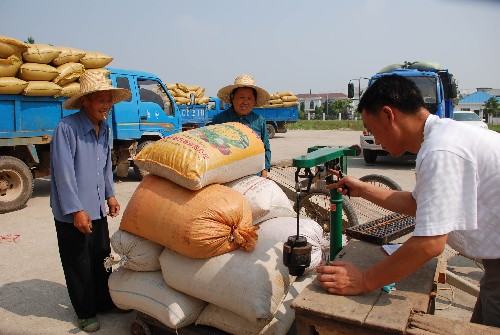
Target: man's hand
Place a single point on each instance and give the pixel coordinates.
(113, 207)
(82, 221)
(346, 185)
(341, 278)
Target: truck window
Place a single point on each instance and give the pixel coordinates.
(152, 91)
(122, 82)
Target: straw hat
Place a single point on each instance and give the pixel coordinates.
(244, 80)
(93, 81)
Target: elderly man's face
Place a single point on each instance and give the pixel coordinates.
(97, 106)
(243, 100)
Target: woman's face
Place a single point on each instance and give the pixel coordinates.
(243, 100)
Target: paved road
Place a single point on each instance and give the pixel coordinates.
(33, 295)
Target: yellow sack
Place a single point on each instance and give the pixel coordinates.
(197, 224)
(40, 53)
(35, 71)
(12, 85)
(68, 73)
(68, 55)
(193, 88)
(202, 100)
(289, 98)
(41, 89)
(277, 105)
(170, 87)
(94, 60)
(69, 90)
(284, 93)
(183, 87)
(10, 46)
(105, 72)
(199, 157)
(199, 92)
(276, 101)
(181, 100)
(10, 65)
(290, 104)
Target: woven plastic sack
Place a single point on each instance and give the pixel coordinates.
(147, 292)
(202, 100)
(134, 252)
(289, 98)
(69, 90)
(232, 323)
(68, 55)
(40, 53)
(10, 65)
(199, 157)
(251, 285)
(265, 197)
(41, 89)
(12, 85)
(181, 100)
(105, 72)
(10, 46)
(198, 224)
(68, 73)
(35, 71)
(290, 104)
(284, 93)
(94, 60)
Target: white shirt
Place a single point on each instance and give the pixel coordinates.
(458, 187)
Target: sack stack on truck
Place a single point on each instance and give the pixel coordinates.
(188, 250)
(181, 93)
(282, 99)
(44, 70)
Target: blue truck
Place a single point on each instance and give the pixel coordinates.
(438, 88)
(194, 116)
(27, 124)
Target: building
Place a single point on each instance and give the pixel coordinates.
(475, 102)
(311, 101)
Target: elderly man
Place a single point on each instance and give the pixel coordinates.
(455, 199)
(81, 184)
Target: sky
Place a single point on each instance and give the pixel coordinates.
(313, 46)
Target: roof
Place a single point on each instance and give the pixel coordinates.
(494, 91)
(476, 98)
(336, 96)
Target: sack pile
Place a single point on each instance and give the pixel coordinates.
(44, 70)
(181, 93)
(187, 248)
(282, 99)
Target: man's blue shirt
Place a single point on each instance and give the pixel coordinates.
(253, 120)
(81, 172)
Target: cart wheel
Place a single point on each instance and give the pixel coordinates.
(140, 327)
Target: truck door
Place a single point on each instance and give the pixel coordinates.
(156, 109)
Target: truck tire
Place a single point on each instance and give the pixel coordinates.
(270, 130)
(370, 156)
(381, 181)
(139, 173)
(16, 184)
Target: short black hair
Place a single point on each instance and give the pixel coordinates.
(392, 90)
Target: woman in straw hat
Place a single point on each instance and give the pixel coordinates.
(243, 95)
(81, 184)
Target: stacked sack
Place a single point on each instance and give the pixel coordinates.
(44, 70)
(181, 93)
(282, 99)
(187, 241)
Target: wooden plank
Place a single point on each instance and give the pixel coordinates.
(431, 324)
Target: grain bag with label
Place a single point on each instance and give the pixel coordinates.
(199, 157)
(197, 224)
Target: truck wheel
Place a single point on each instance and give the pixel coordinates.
(139, 173)
(270, 130)
(16, 184)
(370, 156)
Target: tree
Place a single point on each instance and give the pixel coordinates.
(492, 106)
(30, 40)
(339, 106)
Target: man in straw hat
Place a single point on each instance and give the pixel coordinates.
(243, 95)
(81, 183)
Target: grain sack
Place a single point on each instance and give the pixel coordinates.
(198, 224)
(147, 292)
(69, 90)
(278, 229)
(68, 73)
(94, 60)
(275, 96)
(40, 53)
(203, 100)
(180, 93)
(10, 46)
(276, 101)
(105, 72)
(192, 88)
(289, 98)
(277, 105)
(183, 87)
(134, 252)
(284, 93)
(68, 55)
(10, 65)
(251, 285)
(41, 89)
(266, 199)
(199, 93)
(198, 157)
(232, 323)
(12, 85)
(181, 100)
(170, 87)
(35, 71)
(290, 104)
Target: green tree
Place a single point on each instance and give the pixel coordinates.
(30, 40)
(492, 106)
(339, 106)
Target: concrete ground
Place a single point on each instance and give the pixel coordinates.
(33, 295)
